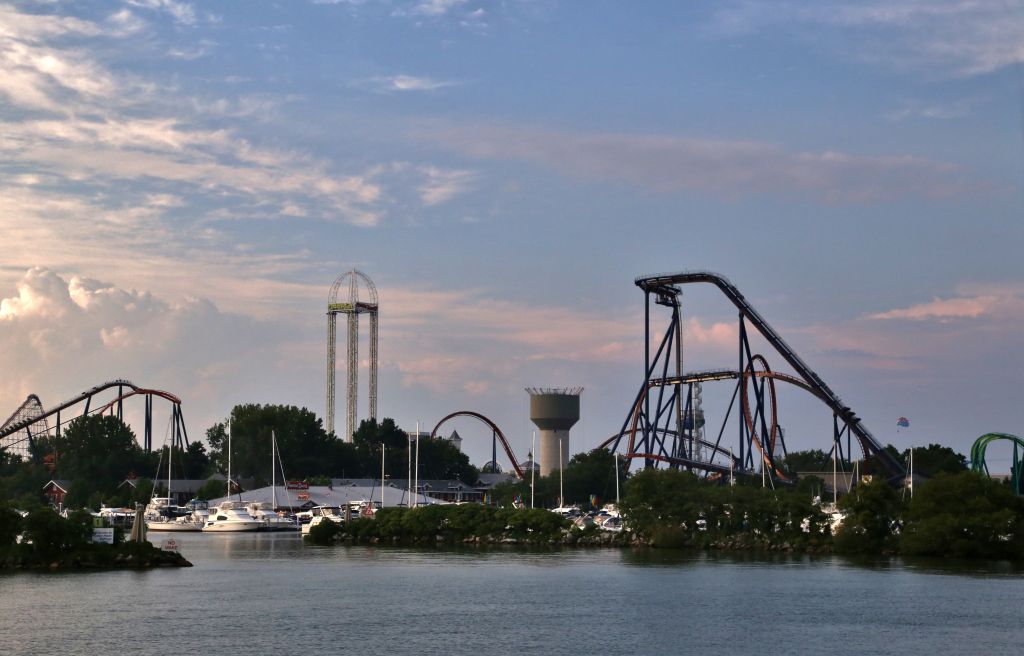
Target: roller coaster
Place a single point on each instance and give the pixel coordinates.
(978, 463)
(661, 428)
(30, 421)
(496, 436)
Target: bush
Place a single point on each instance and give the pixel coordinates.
(326, 532)
(50, 533)
(10, 526)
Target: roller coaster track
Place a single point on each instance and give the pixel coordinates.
(494, 427)
(31, 412)
(665, 284)
(978, 463)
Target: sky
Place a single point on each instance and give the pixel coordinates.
(181, 183)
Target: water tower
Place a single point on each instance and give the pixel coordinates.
(352, 306)
(554, 411)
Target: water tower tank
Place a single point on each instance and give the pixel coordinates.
(554, 411)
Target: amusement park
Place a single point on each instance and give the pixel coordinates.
(667, 430)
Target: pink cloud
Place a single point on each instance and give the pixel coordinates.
(671, 163)
(938, 308)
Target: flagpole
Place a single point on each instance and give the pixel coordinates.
(416, 503)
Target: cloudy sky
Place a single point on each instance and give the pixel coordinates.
(180, 184)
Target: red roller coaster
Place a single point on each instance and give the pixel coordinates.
(31, 419)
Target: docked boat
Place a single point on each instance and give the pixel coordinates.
(270, 519)
(231, 517)
(267, 513)
(162, 515)
(319, 514)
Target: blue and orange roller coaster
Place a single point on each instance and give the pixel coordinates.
(978, 463)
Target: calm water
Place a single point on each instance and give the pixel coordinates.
(263, 594)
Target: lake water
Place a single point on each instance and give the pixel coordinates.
(271, 594)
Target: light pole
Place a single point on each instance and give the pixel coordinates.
(533, 464)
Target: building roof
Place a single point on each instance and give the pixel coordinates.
(324, 495)
(63, 484)
(489, 480)
(177, 484)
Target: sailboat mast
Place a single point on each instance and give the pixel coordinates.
(170, 450)
(561, 477)
(533, 467)
(834, 493)
(273, 469)
(229, 458)
(416, 504)
(616, 479)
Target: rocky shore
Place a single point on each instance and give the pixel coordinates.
(93, 557)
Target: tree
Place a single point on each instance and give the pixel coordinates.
(592, 473)
(196, 461)
(10, 525)
(587, 473)
(98, 452)
(51, 534)
(965, 515)
(212, 489)
(812, 460)
(438, 458)
(873, 512)
(936, 459)
(305, 448)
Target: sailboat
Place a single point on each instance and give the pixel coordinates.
(162, 515)
(230, 516)
(267, 512)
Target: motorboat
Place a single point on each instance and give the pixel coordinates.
(231, 517)
(271, 520)
(320, 514)
(123, 517)
(162, 515)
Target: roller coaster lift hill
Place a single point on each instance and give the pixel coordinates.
(660, 428)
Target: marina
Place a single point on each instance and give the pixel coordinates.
(515, 601)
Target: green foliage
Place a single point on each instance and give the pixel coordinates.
(807, 461)
(324, 532)
(50, 533)
(212, 489)
(23, 483)
(95, 452)
(873, 513)
(457, 523)
(439, 459)
(674, 508)
(305, 448)
(964, 515)
(141, 493)
(936, 459)
(10, 525)
(587, 473)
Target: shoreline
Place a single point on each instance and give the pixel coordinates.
(91, 558)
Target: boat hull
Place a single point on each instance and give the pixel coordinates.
(179, 527)
(231, 527)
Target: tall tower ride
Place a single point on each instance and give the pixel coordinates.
(352, 306)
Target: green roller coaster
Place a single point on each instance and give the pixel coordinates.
(978, 463)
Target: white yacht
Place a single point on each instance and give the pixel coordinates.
(231, 517)
(320, 514)
(161, 515)
(270, 519)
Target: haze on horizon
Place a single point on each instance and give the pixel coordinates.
(180, 184)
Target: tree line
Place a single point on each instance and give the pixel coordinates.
(97, 453)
